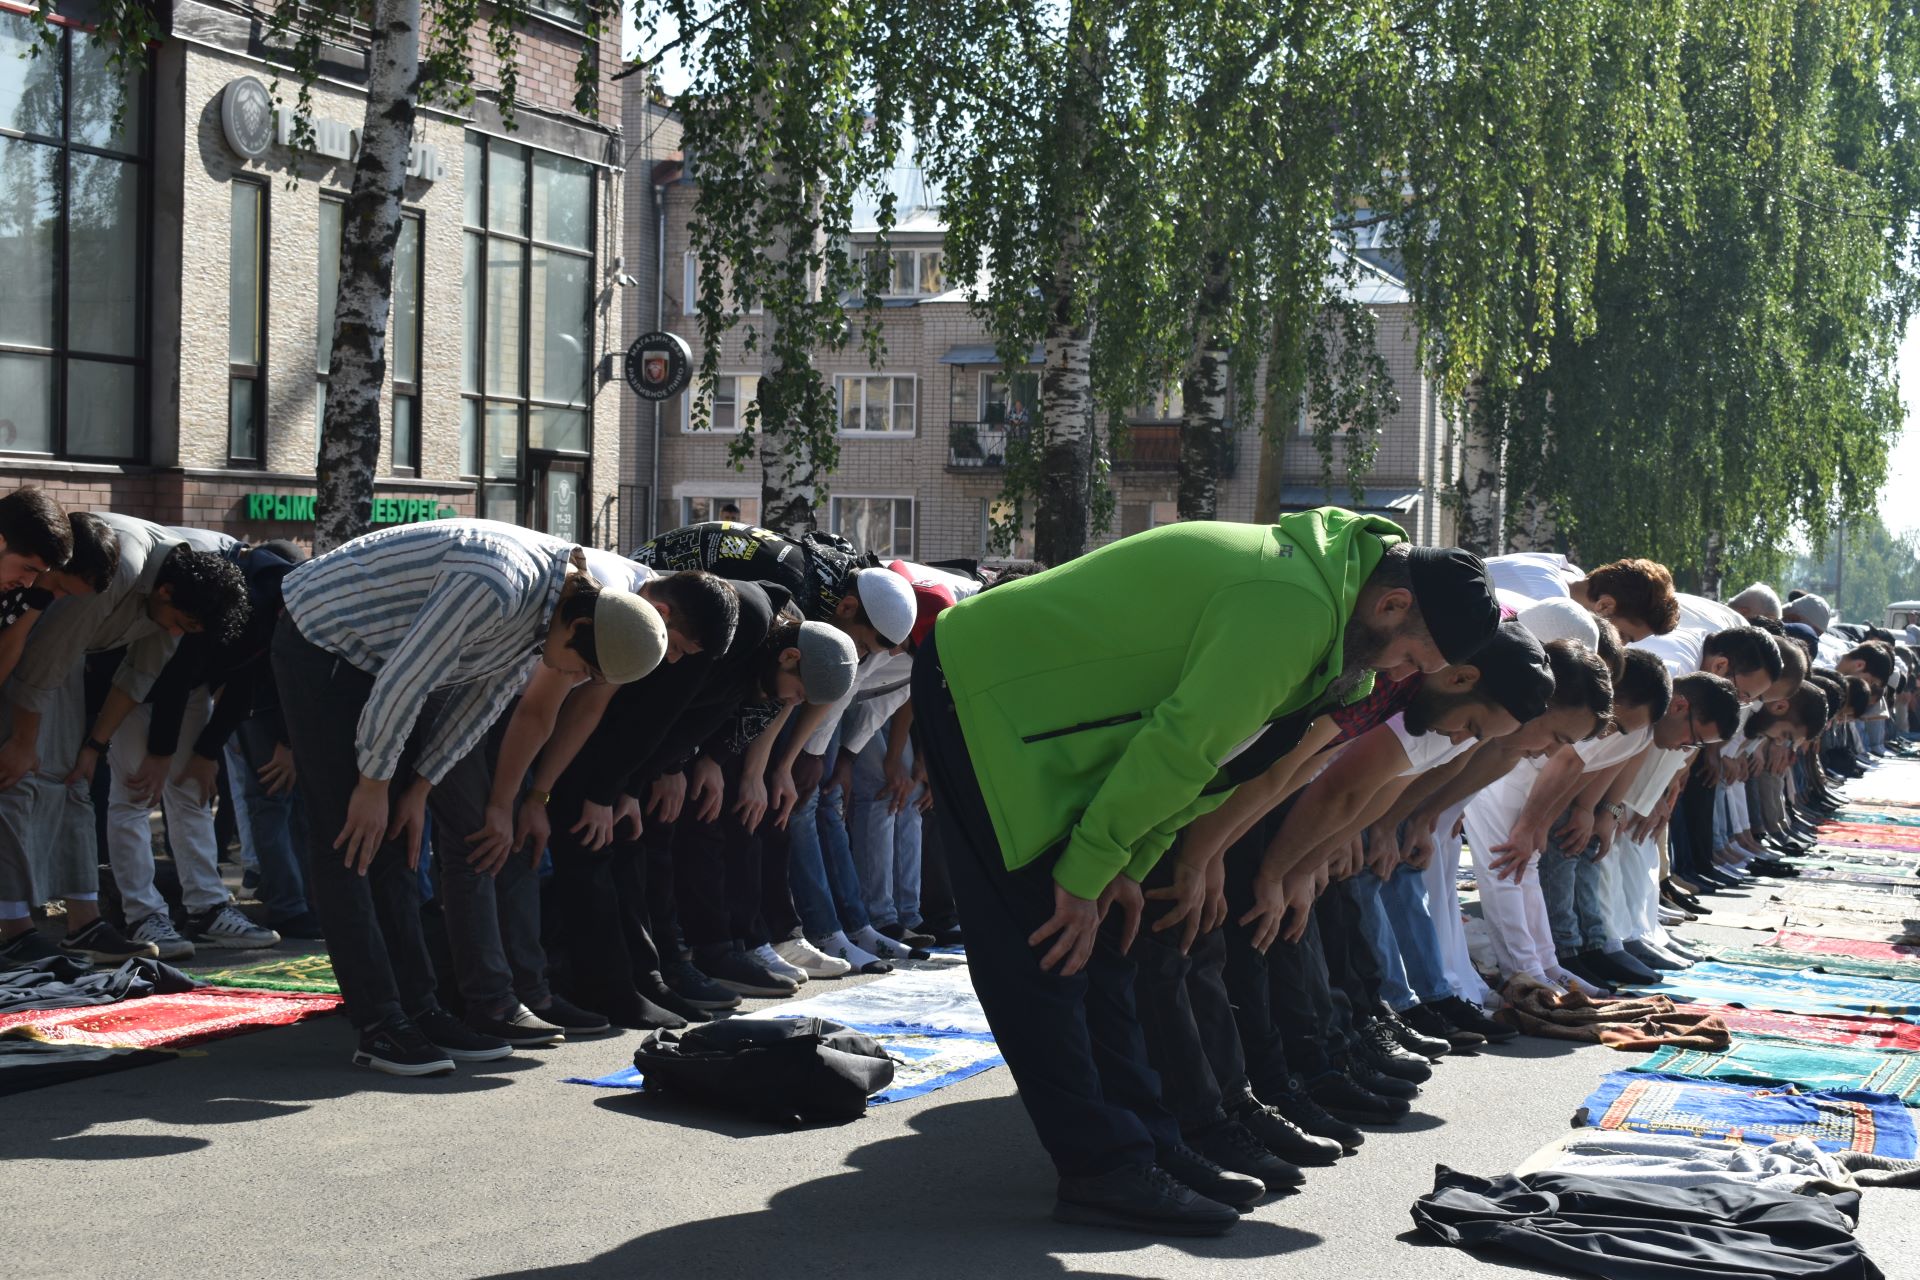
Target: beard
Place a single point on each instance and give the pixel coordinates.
(1427, 707)
(1361, 645)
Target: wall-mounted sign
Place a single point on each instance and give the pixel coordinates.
(659, 365)
(252, 123)
(246, 117)
(299, 506)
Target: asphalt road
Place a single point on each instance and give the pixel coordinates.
(269, 1155)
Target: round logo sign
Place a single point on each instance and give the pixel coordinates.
(246, 117)
(659, 365)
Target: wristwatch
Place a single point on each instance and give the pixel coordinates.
(96, 745)
(1615, 810)
(540, 797)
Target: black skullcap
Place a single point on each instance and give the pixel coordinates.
(1514, 674)
(1456, 599)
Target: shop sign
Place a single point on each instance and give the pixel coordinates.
(299, 506)
(251, 123)
(659, 365)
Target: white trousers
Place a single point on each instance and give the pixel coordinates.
(189, 820)
(1515, 910)
(1443, 903)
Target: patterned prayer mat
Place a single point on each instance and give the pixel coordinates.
(1814, 944)
(167, 1021)
(1857, 1033)
(310, 973)
(1872, 835)
(1898, 817)
(1757, 987)
(1812, 1066)
(1851, 966)
(1645, 1103)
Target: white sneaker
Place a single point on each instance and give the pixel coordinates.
(158, 929)
(841, 947)
(811, 960)
(776, 963)
(224, 926)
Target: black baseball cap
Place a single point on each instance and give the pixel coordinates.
(1455, 598)
(1514, 673)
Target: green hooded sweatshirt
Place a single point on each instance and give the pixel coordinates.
(1100, 698)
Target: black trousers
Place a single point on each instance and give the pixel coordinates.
(717, 873)
(603, 911)
(1074, 1044)
(1193, 1041)
(937, 911)
(1353, 970)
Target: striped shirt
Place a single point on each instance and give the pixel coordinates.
(450, 604)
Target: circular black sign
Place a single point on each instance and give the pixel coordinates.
(246, 117)
(659, 365)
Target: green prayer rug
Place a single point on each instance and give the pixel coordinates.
(1814, 1066)
(1853, 966)
(295, 973)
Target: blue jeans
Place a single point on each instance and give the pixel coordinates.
(1377, 929)
(275, 827)
(886, 846)
(1404, 895)
(820, 871)
(1573, 891)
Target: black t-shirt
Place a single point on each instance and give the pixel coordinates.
(13, 606)
(816, 570)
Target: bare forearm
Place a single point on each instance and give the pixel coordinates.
(760, 750)
(113, 711)
(809, 720)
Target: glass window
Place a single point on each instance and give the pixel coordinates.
(877, 404)
(329, 283)
(738, 510)
(403, 344)
(733, 393)
(528, 273)
(933, 278)
(72, 263)
(690, 284)
(246, 318)
(883, 526)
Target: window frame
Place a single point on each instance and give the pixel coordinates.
(739, 413)
(918, 253)
(256, 374)
(913, 518)
(523, 398)
(840, 405)
(714, 501)
(61, 354)
(411, 390)
(322, 377)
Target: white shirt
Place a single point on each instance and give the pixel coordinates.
(616, 571)
(1534, 575)
(1680, 649)
(1697, 613)
(1604, 753)
(1426, 750)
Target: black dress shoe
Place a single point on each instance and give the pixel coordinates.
(1297, 1107)
(1208, 1179)
(1236, 1150)
(1379, 1050)
(1282, 1136)
(1473, 1018)
(1622, 968)
(1429, 1021)
(1343, 1099)
(652, 988)
(1411, 1038)
(1141, 1198)
(1371, 1078)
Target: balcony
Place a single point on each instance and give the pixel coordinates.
(1153, 447)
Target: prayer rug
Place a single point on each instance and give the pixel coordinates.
(923, 1060)
(1857, 814)
(1645, 1103)
(33, 1064)
(311, 973)
(1621, 1022)
(1852, 966)
(1889, 877)
(167, 1021)
(1792, 991)
(1812, 1066)
(1871, 835)
(1816, 945)
(936, 996)
(1858, 1033)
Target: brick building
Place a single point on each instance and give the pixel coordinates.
(923, 438)
(165, 327)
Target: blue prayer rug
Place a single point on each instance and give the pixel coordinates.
(1644, 1102)
(1792, 991)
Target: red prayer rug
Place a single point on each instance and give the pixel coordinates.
(1858, 1033)
(1815, 944)
(1873, 835)
(168, 1021)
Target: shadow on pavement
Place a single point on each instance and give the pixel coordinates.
(278, 1072)
(966, 1195)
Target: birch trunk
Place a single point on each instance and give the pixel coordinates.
(1203, 395)
(1063, 504)
(789, 461)
(369, 229)
(1482, 487)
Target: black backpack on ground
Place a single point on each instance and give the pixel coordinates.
(790, 1069)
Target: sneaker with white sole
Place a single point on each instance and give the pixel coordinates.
(777, 963)
(224, 926)
(811, 960)
(158, 929)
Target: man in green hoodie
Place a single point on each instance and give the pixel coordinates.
(1074, 722)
